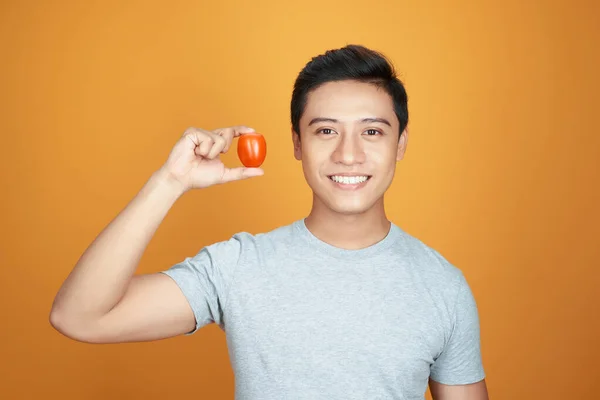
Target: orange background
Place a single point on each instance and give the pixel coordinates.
(501, 173)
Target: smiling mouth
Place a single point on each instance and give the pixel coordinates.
(349, 180)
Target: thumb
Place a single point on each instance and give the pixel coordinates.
(235, 174)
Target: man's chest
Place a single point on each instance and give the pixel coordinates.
(303, 322)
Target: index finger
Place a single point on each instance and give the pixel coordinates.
(232, 132)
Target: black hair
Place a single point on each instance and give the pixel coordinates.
(352, 62)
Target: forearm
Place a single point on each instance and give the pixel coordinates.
(102, 274)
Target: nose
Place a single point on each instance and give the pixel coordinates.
(349, 150)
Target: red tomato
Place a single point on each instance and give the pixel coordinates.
(252, 149)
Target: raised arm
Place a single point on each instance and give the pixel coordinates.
(102, 300)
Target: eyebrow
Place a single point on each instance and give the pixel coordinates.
(364, 120)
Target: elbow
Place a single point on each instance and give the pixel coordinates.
(63, 323)
(71, 326)
(58, 320)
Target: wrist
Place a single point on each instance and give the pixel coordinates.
(167, 182)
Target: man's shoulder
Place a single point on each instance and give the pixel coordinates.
(427, 259)
(259, 240)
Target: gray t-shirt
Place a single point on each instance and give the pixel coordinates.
(307, 320)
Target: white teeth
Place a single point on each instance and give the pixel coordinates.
(349, 180)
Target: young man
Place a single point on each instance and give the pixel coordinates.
(342, 304)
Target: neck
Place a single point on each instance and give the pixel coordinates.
(348, 231)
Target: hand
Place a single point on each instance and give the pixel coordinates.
(194, 160)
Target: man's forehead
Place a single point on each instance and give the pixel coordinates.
(349, 102)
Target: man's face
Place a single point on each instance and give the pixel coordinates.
(349, 145)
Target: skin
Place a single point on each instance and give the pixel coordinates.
(103, 301)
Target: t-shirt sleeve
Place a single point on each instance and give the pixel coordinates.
(205, 279)
(460, 361)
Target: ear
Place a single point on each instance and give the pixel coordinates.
(402, 143)
(297, 145)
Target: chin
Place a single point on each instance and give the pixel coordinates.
(349, 206)
(346, 202)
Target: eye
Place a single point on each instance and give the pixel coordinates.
(325, 131)
(373, 132)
